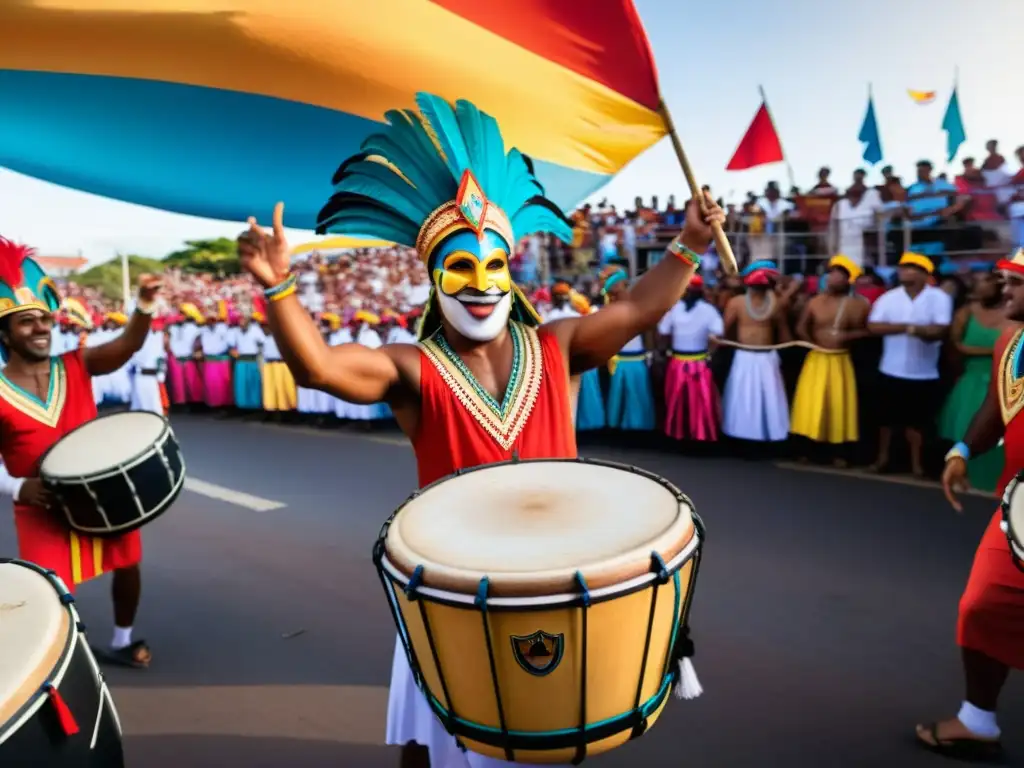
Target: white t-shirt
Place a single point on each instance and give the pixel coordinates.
(690, 329)
(905, 356)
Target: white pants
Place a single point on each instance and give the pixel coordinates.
(146, 394)
(410, 718)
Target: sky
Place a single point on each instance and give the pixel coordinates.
(814, 58)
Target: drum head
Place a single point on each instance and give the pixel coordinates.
(530, 526)
(34, 629)
(1014, 507)
(102, 444)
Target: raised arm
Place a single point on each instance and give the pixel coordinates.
(350, 371)
(593, 340)
(109, 357)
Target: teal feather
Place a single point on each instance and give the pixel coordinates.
(521, 186)
(370, 222)
(380, 183)
(372, 200)
(408, 131)
(416, 168)
(446, 127)
(536, 218)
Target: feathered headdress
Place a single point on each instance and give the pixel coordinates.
(424, 178)
(23, 283)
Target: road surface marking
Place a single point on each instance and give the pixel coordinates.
(860, 474)
(347, 714)
(238, 498)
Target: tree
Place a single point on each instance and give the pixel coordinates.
(107, 276)
(219, 255)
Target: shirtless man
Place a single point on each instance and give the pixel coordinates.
(754, 406)
(825, 404)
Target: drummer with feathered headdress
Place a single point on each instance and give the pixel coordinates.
(486, 381)
(44, 397)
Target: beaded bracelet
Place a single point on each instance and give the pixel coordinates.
(282, 290)
(959, 451)
(684, 254)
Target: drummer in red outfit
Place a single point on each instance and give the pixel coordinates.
(486, 382)
(42, 398)
(990, 628)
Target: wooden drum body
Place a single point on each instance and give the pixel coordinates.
(543, 605)
(55, 707)
(1013, 518)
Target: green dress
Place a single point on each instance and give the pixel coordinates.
(966, 398)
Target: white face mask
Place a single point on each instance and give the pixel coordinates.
(477, 329)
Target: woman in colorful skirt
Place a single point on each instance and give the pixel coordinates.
(630, 399)
(590, 411)
(975, 329)
(693, 405)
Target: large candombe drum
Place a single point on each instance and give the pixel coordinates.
(55, 708)
(543, 604)
(1013, 518)
(115, 473)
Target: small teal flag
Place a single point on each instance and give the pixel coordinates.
(953, 125)
(869, 135)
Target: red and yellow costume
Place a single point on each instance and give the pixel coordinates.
(991, 616)
(461, 426)
(30, 426)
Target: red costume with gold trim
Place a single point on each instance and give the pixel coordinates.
(28, 428)
(992, 607)
(462, 427)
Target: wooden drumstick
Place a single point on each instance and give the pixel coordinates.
(722, 246)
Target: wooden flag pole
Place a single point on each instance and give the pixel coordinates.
(724, 250)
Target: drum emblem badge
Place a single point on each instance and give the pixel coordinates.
(539, 653)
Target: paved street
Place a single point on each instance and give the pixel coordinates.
(824, 617)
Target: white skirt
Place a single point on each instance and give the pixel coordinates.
(411, 719)
(146, 394)
(754, 406)
(314, 401)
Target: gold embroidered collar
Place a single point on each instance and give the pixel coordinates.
(503, 421)
(47, 412)
(1011, 379)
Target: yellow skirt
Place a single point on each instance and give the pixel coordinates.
(825, 405)
(279, 392)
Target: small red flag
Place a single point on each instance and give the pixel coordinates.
(760, 144)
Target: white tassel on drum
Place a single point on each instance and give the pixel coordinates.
(688, 686)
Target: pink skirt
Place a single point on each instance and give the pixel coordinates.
(217, 382)
(693, 407)
(176, 380)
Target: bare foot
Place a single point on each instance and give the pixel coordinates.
(879, 466)
(840, 464)
(803, 460)
(917, 472)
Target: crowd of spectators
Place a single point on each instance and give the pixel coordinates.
(979, 215)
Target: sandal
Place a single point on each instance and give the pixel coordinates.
(964, 749)
(137, 655)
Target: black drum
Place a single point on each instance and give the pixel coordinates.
(116, 473)
(1013, 518)
(55, 707)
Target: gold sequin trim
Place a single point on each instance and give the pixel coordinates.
(505, 431)
(48, 413)
(1011, 388)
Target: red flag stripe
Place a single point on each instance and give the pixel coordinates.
(760, 145)
(603, 40)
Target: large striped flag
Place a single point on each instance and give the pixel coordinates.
(219, 108)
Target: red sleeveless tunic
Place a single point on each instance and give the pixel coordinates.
(28, 427)
(461, 426)
(992, 607)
